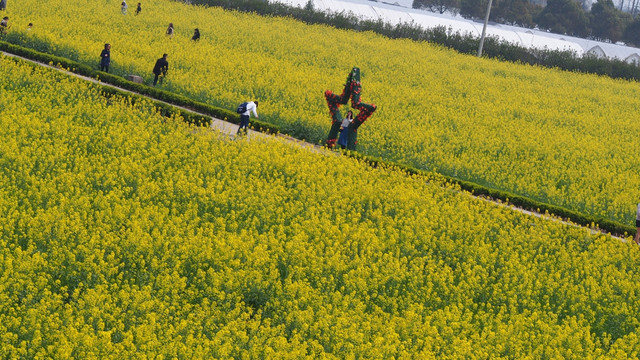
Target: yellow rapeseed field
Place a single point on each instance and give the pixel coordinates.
(558, 137)
(125, 234)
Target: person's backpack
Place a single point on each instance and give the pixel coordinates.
(242, 108)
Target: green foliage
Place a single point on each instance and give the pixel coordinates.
(476, 9)
(515, 12)
(607, 22)
(564, 17)
(631, 33)
(439, 6)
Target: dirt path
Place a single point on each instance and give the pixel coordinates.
(231, 129)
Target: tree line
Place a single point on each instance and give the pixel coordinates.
(603, 21)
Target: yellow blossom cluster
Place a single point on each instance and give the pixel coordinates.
(124, 234)
(557, 137)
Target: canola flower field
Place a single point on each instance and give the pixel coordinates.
(126, 234)
(557, 137)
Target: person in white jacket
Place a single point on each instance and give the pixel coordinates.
(343, 140)
(251, 106)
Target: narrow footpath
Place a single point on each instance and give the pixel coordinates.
(231, 129)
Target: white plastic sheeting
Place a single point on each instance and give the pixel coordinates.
(633, 59)
(597, 52)
(369, 9)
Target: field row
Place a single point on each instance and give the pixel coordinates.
(557, 137)
(124, 233)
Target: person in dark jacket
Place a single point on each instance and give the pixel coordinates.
(3, 4)
(161, 68)
(196, 35)
(139, 8)
(105, 58)
(4, 25)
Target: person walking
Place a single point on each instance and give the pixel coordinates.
(161, 68)
(139, 8)
(105, 58)
(3, 4)
(124, 7)
(170, 30)
(245, 109)
(343, 140)
(196, 35)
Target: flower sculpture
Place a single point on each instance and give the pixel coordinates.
(352, 89)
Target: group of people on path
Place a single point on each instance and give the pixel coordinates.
(161, 67)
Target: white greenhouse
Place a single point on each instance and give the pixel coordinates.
(400, 11)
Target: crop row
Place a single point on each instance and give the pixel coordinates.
(560, 138)
(125, 233)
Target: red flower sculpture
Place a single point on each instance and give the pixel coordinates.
(352, 89)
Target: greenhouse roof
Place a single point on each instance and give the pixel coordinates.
(400, 11)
